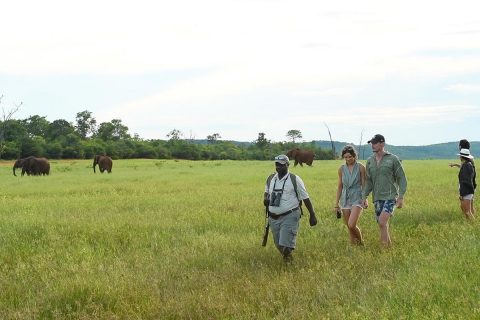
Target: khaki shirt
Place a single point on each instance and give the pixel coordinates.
(387, 180)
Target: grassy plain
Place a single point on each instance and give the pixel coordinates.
(181, 240)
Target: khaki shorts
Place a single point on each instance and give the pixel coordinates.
(285, 228)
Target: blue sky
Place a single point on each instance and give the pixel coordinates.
(407, 69)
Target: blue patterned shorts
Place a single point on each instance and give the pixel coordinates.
(384, 206)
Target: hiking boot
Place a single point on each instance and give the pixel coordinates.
(288, 258)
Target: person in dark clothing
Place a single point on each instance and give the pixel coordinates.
(465, 144)
(467, 183)
(462, 144)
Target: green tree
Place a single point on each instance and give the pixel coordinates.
(86, 124)
(113, 130)
(175, 135)
(33, 147)
(213, 138)
(6, 116)
(161, 148)
(12, 150)
(261, 141)
(121, 149)
(36, 126)
(105, 131)
(185, 150)
(58, 129)
(145, 150)
(72, 147)
(92, 147)
(294, 134)
(120, 130)
(54, 150)
(14, 130)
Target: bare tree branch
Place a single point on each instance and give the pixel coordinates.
(9, 113)
(331, 141)
(6, 115)
(360, 145)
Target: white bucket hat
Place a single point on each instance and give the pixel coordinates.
(465, 153)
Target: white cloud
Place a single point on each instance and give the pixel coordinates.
(464, 88)
(386, 116)
(244, 126)
(295, 49)
(133, 37)
(325, 93)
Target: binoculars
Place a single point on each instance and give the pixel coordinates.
(275, 199)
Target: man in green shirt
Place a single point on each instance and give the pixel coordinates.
(387, 182)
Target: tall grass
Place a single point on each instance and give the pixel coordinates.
(181, 240)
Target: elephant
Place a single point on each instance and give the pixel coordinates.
(19, 164)
(301, 156)
(104, 163)
(32, 166)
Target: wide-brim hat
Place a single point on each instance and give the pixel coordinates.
(465, 153)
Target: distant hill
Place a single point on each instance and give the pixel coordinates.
(446, 150)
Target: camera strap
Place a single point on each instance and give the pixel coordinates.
(294, 182)
(275, 184)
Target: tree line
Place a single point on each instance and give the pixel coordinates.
(60, 139)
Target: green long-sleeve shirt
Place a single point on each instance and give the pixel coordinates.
(387, 180)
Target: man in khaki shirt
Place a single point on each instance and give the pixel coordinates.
(387, 182)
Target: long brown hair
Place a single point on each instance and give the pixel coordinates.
(349, 149)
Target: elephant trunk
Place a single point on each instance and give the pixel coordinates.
(18, 164)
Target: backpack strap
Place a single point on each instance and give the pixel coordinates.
(295, 188)
(269, 179)
(294, 182)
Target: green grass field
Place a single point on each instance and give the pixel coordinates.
(163, 239)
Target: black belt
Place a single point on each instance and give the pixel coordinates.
(276, 216)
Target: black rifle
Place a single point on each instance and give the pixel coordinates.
(267, 226)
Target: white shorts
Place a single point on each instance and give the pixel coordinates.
(468, 197)
(349, 205)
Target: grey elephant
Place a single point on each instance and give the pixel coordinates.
(301, 156)
(19, 164)
(32, 166)
(104, 163)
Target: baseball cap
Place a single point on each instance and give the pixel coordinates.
(282, 159)
(377, 138)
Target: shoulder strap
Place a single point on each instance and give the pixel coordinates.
(269, 179)
(294, 182)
